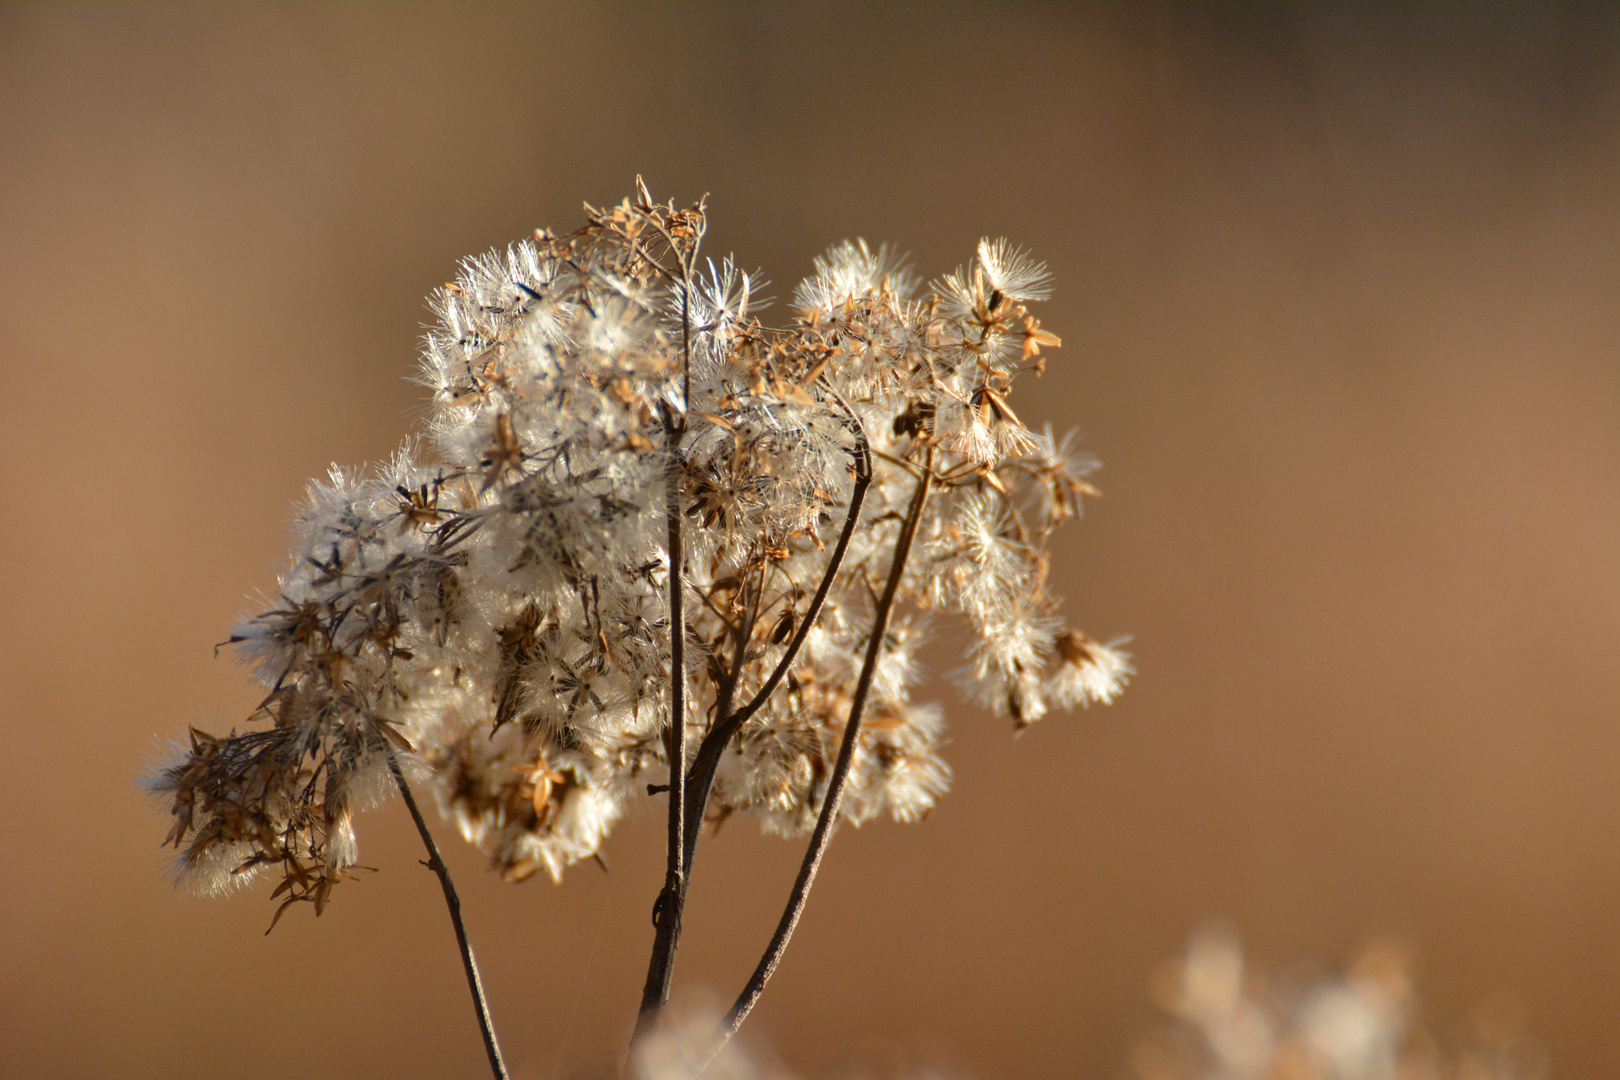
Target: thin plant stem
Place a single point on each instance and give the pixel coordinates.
(475, 984)
(835, 784)
(671, 902)
(707, 760)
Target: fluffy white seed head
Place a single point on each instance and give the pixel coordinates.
(489, 608)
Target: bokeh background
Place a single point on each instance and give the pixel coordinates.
(1339, 288)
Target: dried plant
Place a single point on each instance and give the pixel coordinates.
(1226, 1021)
(1230, 1023)
(646, 527)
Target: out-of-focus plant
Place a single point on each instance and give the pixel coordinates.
(1227, 1022)
(646, 526)
(1230, 1023)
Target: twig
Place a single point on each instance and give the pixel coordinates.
(475, 985)
(835, 785)
(863, 479)
(671, 902)
(672, 898)
(707, 760)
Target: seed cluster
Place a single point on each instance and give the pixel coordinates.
(490, 609)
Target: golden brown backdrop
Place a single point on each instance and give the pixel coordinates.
(1340, 296)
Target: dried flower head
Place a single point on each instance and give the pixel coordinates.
(491, 603)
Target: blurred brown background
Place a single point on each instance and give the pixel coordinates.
(1341, 314)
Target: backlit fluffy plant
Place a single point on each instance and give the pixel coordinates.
(1227, 1021)
(1230, 1023)
(643, 525)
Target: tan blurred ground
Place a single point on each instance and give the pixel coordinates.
(1341, 312)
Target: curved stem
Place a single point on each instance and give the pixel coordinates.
(475, 985)
(707, 760)
(835, 785)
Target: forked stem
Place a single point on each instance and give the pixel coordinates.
(835, 784)
(475, 984)
(707, 759)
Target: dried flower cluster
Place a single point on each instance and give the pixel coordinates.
(1230, 1024)
(490, 610)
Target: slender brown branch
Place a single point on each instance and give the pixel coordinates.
(707, 760)
(671, 902)
(672, 898)
(863, 479)
(835, 784)
(475, 985)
